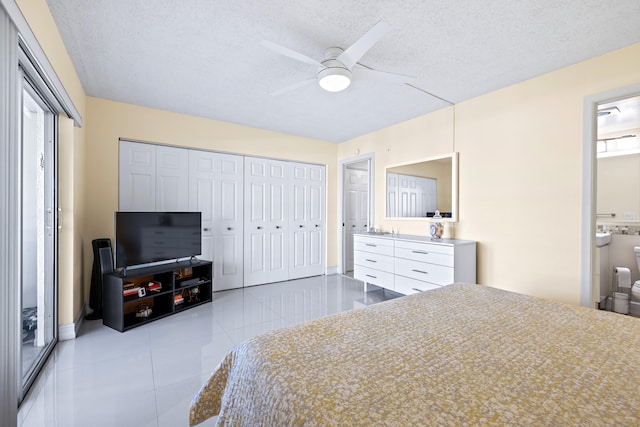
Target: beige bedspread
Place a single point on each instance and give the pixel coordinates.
(461, 355)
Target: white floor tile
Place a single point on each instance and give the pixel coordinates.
(148, 375)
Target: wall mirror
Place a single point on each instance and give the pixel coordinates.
(416, 190)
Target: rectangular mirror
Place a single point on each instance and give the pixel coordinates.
(417, 189)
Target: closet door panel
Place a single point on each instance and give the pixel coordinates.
(137, 176)
(230, 223)
(307, 221)
(266, 221)
(256, 253)
(172, 179)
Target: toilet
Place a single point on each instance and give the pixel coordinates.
(634, 304)
(635, 289)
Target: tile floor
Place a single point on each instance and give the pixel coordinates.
(148, 375)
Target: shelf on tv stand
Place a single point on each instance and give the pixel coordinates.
(119, 312)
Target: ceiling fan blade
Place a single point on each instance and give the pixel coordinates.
(289, 52)
(354, 52)
(294, 86)
(364, 73)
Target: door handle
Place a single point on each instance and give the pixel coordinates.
(259, 228)
(206, 229)
(229, 228)
(278, 227)
(301, 226)
(317, 226)
(353, 225)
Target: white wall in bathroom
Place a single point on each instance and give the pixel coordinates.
(619, 187)
(621, 254)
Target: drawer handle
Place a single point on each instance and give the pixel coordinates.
(371, 244)
(370, 260)
(420, 252)
(373, 277)
(420, 271)
(417, 290)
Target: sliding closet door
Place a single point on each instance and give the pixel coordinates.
(266, 221)
(215, 189)
(307, 220)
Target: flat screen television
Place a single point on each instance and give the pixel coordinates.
(149, 237)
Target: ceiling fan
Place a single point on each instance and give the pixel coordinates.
(340, 66)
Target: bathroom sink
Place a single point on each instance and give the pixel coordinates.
(603, 239)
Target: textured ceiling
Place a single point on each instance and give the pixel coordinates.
(203, 57)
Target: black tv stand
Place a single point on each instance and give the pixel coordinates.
(166, 289)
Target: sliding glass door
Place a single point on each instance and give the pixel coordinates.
(39, 232)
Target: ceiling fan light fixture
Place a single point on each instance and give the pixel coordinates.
(334, 79)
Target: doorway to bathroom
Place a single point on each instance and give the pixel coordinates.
(616, 196)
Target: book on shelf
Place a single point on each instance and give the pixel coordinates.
(131, 291)
(154, 286)
(178, 299)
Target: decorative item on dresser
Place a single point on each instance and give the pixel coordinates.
(408, 264)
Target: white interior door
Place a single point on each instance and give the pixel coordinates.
(137, 177)
(307, 220)
(356, 201)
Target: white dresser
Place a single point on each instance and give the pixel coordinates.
(408, 264)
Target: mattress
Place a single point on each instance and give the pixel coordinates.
(460, 355)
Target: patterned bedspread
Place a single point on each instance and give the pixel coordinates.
(461, 355)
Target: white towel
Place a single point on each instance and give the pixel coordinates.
(623, 276)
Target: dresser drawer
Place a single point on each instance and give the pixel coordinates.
(373, 260)
(370, 275)
(432, 273)
(439, 248)
(425, 254)
(373, 245)
(407, 286)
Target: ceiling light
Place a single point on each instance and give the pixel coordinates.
(334, 79)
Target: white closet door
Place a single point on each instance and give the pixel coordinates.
(229, 227)
(307, 221)
(357, 210)
(137, 177)
(265, 221)
(215, 189)
(172, 179)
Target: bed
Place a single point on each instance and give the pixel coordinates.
(460, 355)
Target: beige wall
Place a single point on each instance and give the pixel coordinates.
(519, 182)
(70, 163)
(108, 121)
(520, 151)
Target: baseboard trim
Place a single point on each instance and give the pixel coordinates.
(332, 270)
(70, 330)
